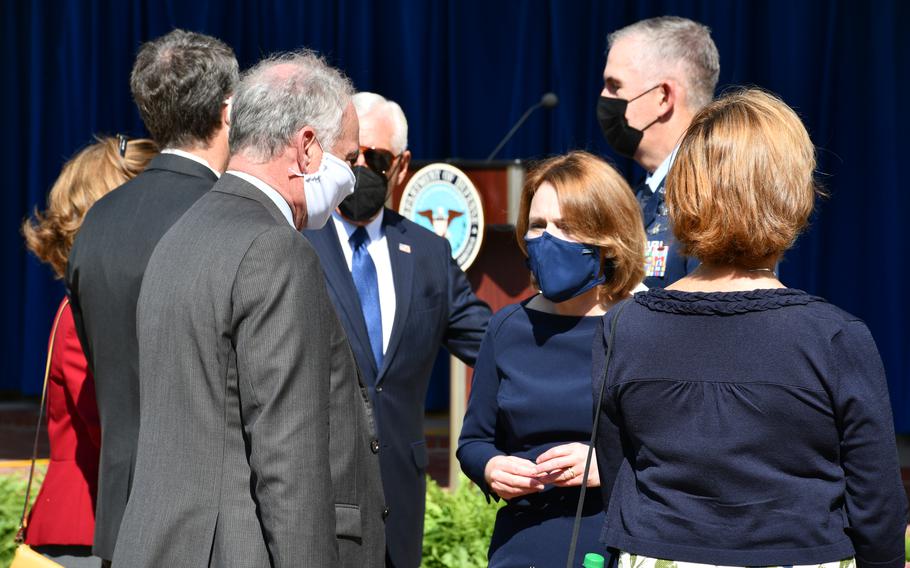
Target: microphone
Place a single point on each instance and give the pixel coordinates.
(549, 100)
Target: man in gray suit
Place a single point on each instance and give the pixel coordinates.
(256, 444)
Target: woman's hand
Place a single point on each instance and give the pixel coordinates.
(564, 466)
(510, 476)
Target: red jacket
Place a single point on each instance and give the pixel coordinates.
(64, 511)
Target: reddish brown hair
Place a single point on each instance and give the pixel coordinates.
(597, 208)
(85, 178)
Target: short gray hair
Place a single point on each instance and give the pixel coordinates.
(669, 42)
(282, 94)
(365, 103)
(180, 82)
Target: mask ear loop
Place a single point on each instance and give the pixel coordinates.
(644, 93)
(306, 163)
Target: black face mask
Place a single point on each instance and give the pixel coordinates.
(370, 192)
(611, 114)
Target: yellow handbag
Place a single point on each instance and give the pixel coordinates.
(26, 557)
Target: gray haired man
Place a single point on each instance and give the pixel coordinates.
(659, 73)
(181, 83)
(256, 446)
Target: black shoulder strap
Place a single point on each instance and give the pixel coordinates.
(584, 479)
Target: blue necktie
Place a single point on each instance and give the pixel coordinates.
(364, 272)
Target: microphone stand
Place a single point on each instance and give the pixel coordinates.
(515, 128)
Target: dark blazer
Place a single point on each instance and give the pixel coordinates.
(64, 511)
(256, 446)
(103, 277)
(434, 306)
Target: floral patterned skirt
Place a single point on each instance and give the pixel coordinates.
(627, 560)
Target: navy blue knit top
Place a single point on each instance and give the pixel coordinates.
(756, 430)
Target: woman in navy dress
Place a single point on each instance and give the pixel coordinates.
(754, 418)
(530, 411)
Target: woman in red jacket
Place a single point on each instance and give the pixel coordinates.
(61, 523)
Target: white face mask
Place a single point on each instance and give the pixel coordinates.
(325, 189)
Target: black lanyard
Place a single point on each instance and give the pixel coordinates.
(584, 479)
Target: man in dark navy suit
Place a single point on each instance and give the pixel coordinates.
(181, 83)
(400, 296)
(659, 73)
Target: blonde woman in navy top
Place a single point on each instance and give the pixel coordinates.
(530, 412)
(754, 418)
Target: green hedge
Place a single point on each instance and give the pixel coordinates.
(12, 492)
(457, 526)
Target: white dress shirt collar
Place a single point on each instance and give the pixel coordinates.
(374, 227)
(191, 156)
(656, 177)
(270, 192)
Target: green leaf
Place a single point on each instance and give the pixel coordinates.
(457, 526)
(12, 493)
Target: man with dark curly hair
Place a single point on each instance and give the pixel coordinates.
(181, 83)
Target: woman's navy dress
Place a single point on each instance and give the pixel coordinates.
(532, 391)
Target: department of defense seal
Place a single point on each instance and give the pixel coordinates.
(442, 199)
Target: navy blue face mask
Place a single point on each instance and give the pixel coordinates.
(564, 269)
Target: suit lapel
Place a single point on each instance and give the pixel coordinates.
(402, 261)
(652, 203)
(328, 247)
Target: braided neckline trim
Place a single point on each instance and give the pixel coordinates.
(722, 303)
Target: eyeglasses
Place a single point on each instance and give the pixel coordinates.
(121, 144)
(378, 159)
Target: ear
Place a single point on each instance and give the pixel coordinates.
(403, 163)
(309, 151)
(226, 111)
(671, 94)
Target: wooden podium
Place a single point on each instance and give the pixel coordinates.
(498, 275)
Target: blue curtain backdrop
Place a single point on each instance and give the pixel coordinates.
(464, 71)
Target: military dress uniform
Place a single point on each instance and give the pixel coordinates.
(664, 264)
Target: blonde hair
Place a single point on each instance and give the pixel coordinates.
(597, 208)
(741, 188)
(85, 178)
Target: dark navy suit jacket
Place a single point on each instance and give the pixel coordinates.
(434, 306)
(103, 276)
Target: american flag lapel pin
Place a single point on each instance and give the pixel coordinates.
(404, 248)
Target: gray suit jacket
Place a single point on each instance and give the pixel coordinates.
(256, 444)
